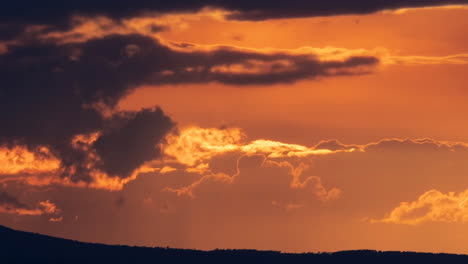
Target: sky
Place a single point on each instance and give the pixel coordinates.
(299, 126)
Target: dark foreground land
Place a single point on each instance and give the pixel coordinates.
(24, 247)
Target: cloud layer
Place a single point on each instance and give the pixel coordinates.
(230, 185)
(53, 93)
(59, 14)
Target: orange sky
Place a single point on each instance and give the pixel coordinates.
(250, 165)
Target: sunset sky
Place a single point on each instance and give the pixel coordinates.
(275, 125)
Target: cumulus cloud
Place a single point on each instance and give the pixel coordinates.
(327, 171)
(225, 160)
(268, 183)
(432, 206)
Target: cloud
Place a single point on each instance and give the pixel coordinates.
(94, 160)
(356, 172)
(56, 219)
(432, 206)
(229, 164)
(53, 92)
(10, 205)
(334, 145)
(227, 184)
(199, 150)
(19, 160)
(60, 16)
(20, 165)
(459, 59)
(50, 94)
(265, 181)
(193, 146)
(122, 150)
(260, 10)
(424, 145)
(406, 10)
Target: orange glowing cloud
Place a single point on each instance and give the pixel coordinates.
(296, 169)
(20, 211)
(49, 207)
(428, 60)
(41, 168)
(86, 28)
(193, 146)
(432, 206)
(56, 219)
(19, 159)
(100, 179)
(197, 148)
(414, 9)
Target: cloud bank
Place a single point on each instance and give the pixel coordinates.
(61, 97)
(34, 12)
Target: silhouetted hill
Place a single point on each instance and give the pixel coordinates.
(24, 247)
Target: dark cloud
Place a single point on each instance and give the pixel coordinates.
(155, 28)
(124, 149)
(57, 14)
(9, 202)
(261, 10)
(51, 92)
(10, 30)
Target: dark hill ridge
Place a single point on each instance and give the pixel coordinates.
(24, 247)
